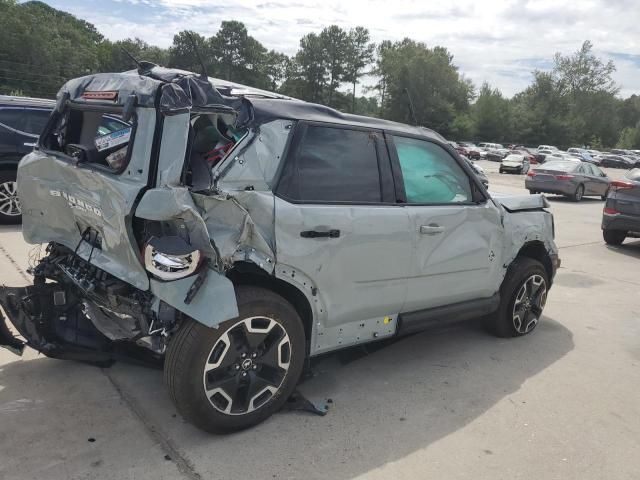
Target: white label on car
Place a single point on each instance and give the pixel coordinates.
(113, 139)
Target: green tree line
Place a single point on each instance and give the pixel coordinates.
(575, 103)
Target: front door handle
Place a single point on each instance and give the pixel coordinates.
(431, 229)
(317, 234)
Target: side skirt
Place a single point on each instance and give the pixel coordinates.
(423, 319)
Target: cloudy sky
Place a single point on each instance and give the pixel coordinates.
(497, 41)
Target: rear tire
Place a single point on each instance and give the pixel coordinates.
(614, 237)
(579, 193)
(532, 192)
(237, 375)
(10, 213)
(523, 295)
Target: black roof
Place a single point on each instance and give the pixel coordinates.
(172, 90)
(267, 108)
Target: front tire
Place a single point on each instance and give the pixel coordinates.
(523, 295)
(614, 237)
(237, 375)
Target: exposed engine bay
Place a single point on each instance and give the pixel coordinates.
(76, 311)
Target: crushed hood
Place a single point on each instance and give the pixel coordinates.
(515, 203)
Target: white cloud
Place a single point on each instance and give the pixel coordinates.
(497, 41)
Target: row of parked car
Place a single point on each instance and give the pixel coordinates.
(574, 174)
(614, 158)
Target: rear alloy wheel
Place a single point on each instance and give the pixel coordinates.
(577, 196)
(10, 211)
(614, 237)
(523, 295)
(237, 375)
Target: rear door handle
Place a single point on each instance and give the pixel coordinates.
(431, 229)
(317, 234)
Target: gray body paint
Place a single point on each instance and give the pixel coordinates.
(357, 286)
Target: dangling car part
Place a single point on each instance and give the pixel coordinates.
(234, 234)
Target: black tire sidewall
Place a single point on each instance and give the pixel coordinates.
(519, 270)
(186, 382)
(614, 237)
(9, 175)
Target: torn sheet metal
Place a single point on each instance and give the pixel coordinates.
(534, 226)
(230, 222)
(254, 167)
(177, 204)
(214, 303)
(515, 203)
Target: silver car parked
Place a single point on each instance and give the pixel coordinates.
(573, 179)
(235, 237)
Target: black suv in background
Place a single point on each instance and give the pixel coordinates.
(21, 121)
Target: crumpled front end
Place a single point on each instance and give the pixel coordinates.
(76, 311)
(531, 228)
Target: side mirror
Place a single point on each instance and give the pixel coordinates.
(602, 174)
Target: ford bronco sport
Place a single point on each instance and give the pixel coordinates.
(234, 234)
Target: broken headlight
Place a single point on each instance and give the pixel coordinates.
(170, 258)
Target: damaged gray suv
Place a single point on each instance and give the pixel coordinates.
(234, 234)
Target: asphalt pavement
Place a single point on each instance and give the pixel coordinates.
(456, 403)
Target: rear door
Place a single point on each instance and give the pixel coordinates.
(456, 237)
(80, 187)
(598, 179)
(337, 223)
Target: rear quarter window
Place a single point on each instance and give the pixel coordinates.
(94, 138)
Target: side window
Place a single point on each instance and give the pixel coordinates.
(101, 139)
(36, 120)
(430, 174)
(12, 118)
(332, 165)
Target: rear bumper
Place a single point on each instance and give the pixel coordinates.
(545, 187)
(57, 331)
(629, 223)
(511, 169)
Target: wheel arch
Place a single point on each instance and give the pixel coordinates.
(536, 250)
(248, 273)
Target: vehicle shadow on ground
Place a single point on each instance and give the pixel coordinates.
(386, 404)
(629, 247)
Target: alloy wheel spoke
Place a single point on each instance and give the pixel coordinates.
(247, 365)
(228, 383)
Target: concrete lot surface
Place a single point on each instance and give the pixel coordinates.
(561, 403)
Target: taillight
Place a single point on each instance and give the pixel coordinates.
(621, 185)
(564, 177)
(531, 173)
(171, 258)
(610, 211)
